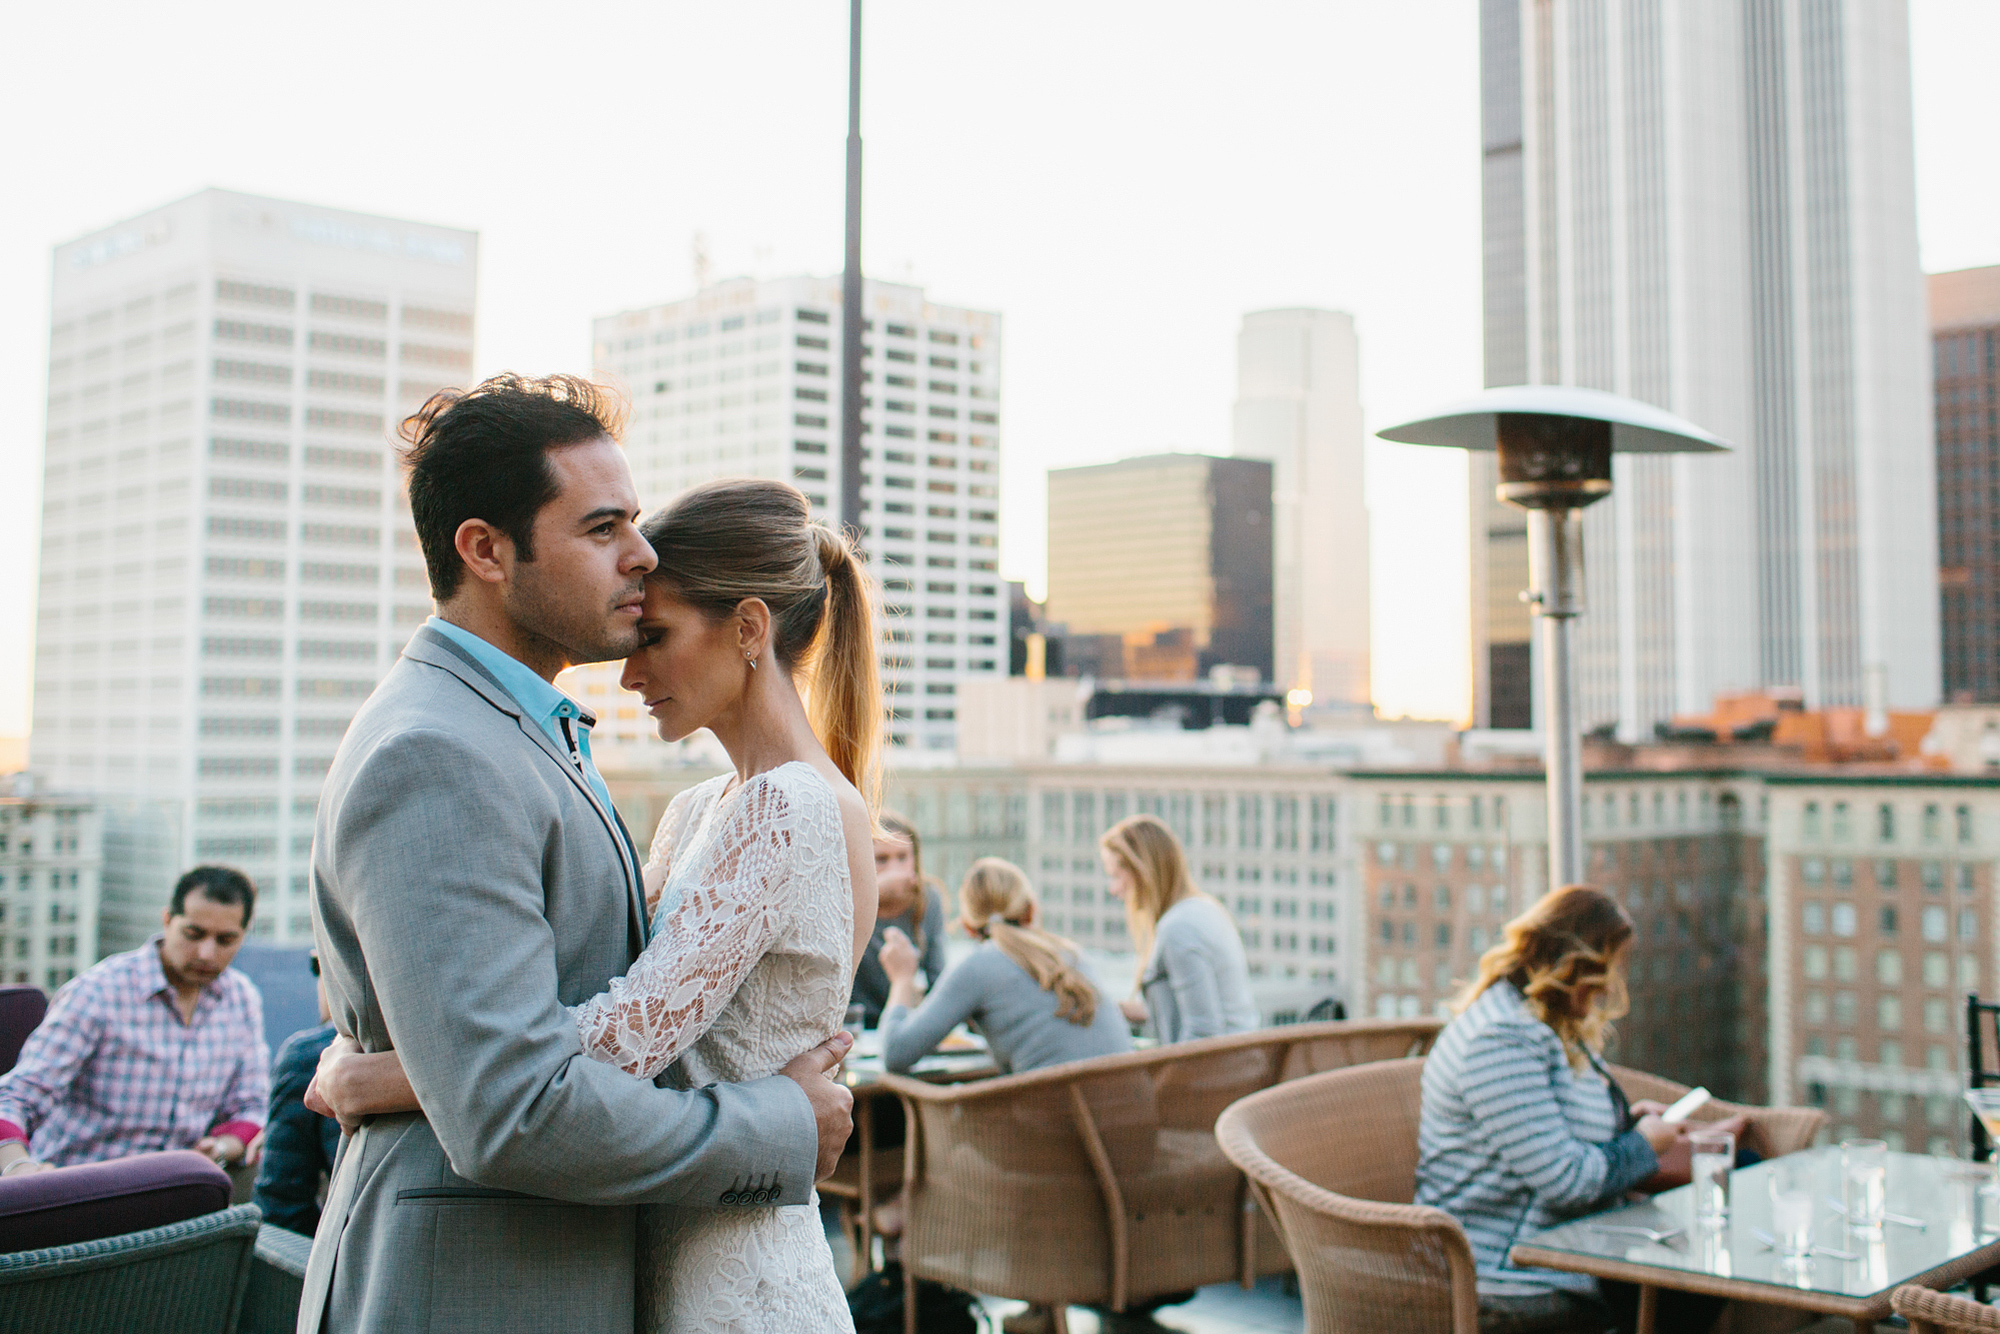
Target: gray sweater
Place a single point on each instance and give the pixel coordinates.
(1016, 1016)
(1513, 1140)
(1197, 982)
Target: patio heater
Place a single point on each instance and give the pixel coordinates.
(1555, 444)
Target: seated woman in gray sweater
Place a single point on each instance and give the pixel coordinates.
(1522, 1124)
(1193, 979)
(1023, 988)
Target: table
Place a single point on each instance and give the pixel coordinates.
(1962, 1239)
(863, 1176)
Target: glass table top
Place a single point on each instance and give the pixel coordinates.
(1942, 1192)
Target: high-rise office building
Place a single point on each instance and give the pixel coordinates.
(228, 565)
(1712, 208)
(1298, 405)
(1965, 341)
(743, 379)
(1164, 562)
(51, 868)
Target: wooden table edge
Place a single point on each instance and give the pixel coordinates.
(1526, 1254)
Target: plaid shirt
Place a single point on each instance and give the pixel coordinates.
(113, 1070)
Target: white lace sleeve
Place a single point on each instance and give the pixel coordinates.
(673, 826)
(725, 921)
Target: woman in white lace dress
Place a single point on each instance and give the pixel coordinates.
(761, 881)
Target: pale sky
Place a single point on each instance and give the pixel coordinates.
(1121, 180)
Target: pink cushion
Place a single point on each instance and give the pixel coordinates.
(108, 1199)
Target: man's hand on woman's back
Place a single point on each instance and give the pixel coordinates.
(832, 1104)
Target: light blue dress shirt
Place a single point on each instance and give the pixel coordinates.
(567, 723)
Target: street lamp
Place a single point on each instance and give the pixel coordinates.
(1555, 444)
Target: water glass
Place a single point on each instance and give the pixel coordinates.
(1714, 1161)
(1864, 1176)
(1792, 1208)
(856, 1021)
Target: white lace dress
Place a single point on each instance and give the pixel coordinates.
(750, 964)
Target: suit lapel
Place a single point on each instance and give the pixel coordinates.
(433, 649)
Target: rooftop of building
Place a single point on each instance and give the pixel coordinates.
(1964, 298)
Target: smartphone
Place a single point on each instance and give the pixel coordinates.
(1689, 1103)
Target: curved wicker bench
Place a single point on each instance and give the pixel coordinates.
(1783, 1129)
(1941, 1313)
(1100, 1182)
(183, 1278)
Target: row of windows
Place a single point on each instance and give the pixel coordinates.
(1279, 814)
(1477, 856)
(1888, 1051)
(1841, 919)
(1931, 822)
(1395, 811)
(1888, 875)
(1479, 899)
(1844, 1010)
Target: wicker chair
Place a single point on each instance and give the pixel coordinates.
(1334, 1160)
(184, 1278)
(1100, 1182)
(1783, 1130)
(1940, 1313)
(277, 1282)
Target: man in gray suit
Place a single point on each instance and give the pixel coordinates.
(470, 878)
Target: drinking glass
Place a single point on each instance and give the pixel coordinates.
(856, 1021)
(1791, 1208)
(1864, 1177)
(1985, 1104)
(1714, 1160)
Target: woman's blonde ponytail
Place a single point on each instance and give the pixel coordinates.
(846, 702)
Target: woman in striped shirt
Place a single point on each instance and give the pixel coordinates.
(1523, 1125)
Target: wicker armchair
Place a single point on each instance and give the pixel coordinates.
(1334, 1160)
(1940, 1313)
(1783, 1129)
(1100, 1182)
(184, 1278)
(277, 1282)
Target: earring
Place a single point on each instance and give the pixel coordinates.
(752, 661)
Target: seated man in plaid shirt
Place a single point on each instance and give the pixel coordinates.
(158, 1048)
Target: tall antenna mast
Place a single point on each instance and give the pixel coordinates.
(851, 323)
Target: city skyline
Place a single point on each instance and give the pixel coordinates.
(958, 201)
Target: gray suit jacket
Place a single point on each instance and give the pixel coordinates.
(466, 884)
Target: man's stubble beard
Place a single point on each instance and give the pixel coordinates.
(538, 608)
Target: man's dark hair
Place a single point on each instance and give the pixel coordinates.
(483, 453)
(217, 884)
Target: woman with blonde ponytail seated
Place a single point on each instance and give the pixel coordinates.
(1023, 988)
(756, 624)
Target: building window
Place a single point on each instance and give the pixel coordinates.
(1885, 823)
(1933, 823)
(1812, 822)
(1964, 820)
(1841, 827)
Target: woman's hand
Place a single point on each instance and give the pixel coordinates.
(898, 956)
(1647, 1107)
(352, 1085)
(1662, 1135)
(899, 961)
(1134, 1010)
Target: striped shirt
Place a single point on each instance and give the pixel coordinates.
(114, 1069)
(1512, 1140)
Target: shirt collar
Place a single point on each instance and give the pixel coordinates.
(153, 973)
(540, 700)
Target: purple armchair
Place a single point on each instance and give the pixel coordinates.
(77, 1204)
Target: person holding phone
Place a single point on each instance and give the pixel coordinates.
(1523, 1125)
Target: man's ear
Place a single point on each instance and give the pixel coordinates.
(167, 915)
(488, 552)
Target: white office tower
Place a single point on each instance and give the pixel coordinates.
(743, 380)
(1711, 207)
(51, 872)
(1298, 404)
(228, 564)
